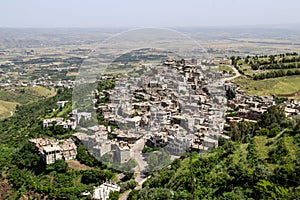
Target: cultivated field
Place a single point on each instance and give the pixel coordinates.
(274, 86)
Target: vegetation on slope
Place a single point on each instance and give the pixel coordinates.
(262, 162)
(23, 168)
(11, 97)
(274, 86)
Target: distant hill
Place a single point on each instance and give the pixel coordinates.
(12, 96)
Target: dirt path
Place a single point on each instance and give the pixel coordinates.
(237, 74)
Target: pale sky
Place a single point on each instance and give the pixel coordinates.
(147, 13)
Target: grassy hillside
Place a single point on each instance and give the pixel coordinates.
(23, 174)
(11, 96)
(6, 108)
(274, 86)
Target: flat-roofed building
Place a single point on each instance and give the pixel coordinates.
(102, 192)
(51, 153)
(52, 150)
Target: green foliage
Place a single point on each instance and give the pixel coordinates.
(228, 147)
(276, 73)
(26, 157)
(128, 185)
(57, 131)
(92, 177)
(60, 166)
(62, 180)
(176, 164)
(24, 95)
(279, 100)
(230, 94)
(156, 160)
(232, 114)
(149, 149)
(269, 190)
(106, 84)
(264, 131)
(252, 155)
(273, 117)
(279, 152)
(153, 194)
(114, 195)
(242, 131)
(85, 157)
(129, 166)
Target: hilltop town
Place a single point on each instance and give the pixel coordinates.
(175, 107)
(144, 120)
(149, 100)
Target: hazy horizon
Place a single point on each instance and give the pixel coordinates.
(155, 13)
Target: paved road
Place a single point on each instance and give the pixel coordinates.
(137, 153)
(137, 150)
(140, 177)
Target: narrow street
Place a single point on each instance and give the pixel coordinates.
(139, 176)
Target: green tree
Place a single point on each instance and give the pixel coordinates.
(59, 166)
(274, 116)
(268, 190)
(272, 58)
(92, 176)
(114, 195)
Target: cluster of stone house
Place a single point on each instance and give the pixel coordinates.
(77, 116)
(292, 108)
(172, 106)
(99, 144)
(167, 105)
(59, 121)
(44, 81)
(71, 123)
(251, 107)
(52, 150)
(217, 61)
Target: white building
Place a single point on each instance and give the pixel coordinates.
(58, 121)
(133, 122)
(51, 153)
(61, 104)
(177, 145)
(102, 192)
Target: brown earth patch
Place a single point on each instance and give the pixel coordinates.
(76, 165)
(6, 189)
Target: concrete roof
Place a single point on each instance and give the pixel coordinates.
(51, 148)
